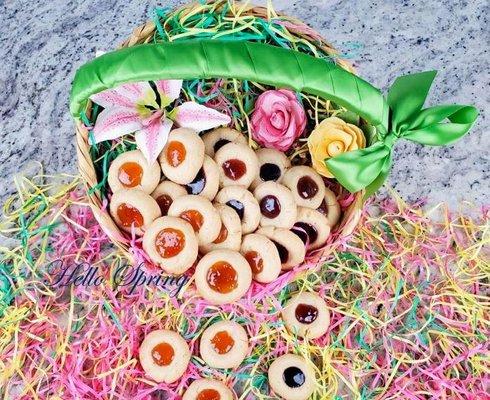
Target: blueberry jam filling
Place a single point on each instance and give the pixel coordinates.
(270, 172)
(219, 144)
(270, 206)
(237, 206)
(323, 208)
(306, 232)
(293, 377)
(198, 184)
(283, 252)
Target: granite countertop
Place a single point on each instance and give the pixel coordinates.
(43, 43)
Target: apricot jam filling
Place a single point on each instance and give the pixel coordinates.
(234, 169)
(130, 174)
(223, 235)
(169, 242)
(222, 342)
(222, 277)
(194, 218)
(129, 215)
(176, 153)
(162, 354)
(255, 261)
(208, 394)
(164, 201)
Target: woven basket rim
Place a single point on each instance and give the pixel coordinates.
(143, 34)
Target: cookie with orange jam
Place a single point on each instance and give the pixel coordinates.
(164, 355)
(224, 345)
(133, 209)
(222, 276)
(131, 170)
(183, 156)
(171, 243)
(208, 389)
(201, 214)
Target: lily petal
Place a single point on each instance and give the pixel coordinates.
(195, 116)
(128, 95)
(151, 139)
(169, 90)
(115, 122)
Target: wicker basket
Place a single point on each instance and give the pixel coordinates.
(144, 34)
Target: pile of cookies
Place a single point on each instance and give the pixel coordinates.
(241, 214)
(165, 355)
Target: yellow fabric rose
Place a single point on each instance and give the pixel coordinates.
(331, 137)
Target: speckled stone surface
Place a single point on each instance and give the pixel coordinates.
(43, 43)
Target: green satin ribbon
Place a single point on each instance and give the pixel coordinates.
(242, 60)
(356, 170)
(436, 126)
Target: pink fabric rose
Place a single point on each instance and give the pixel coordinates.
(278, 119)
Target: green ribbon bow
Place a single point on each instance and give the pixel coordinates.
(368, 168)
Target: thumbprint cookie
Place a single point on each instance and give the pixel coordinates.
(224, 345)
(230, 234)
(291, 377)
(201, 214)
(208, 389)
(183, 156)
(171, 243)
(164, 355)
(206, 182)
(245, 205)
(131, 170)
(330, 207)
(291, 249)
(216, 139)
(277, 205)
(262, 256)
(306, 315)
(166, 193)
(272, 166)
(306, 184)
(222, 276)
(133, 209)
(312, 227)
(238, 165)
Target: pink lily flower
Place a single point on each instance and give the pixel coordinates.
(133, 107)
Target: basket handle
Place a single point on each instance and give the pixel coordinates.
(257, 62)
